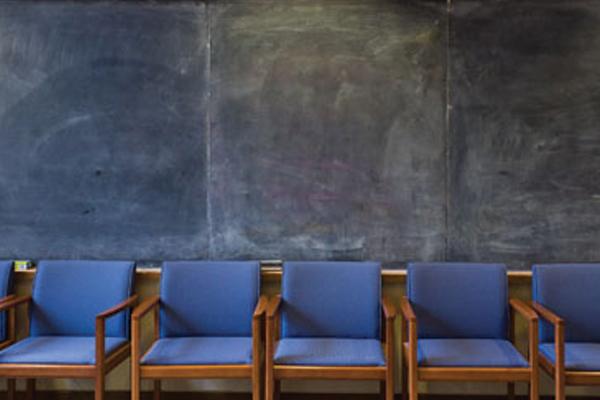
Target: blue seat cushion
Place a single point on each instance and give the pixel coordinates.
(329, 351)
(331, 299)
(208, 298)
(67, 296)
(6, 284)
(468, 353)
(578, 356)
(57, 350)
(571, 291)
(200, 351)
(459, 300)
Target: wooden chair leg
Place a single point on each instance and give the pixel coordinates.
(11, 388)
(156, 390)
(256, 382)
(30, 389)
(413, 385)
(511, 391)
(99, 387)
(534, 386)
(135, 382)
(404, 381)
(389, 388)
(277, 387)
(382, 390)
(559, 386)
(269, 384)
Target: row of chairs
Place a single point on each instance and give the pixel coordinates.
(329, 322)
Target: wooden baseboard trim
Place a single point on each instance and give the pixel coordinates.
(123, 395)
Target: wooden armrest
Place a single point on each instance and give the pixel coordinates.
(388, 308)
(7, 298)
(407, 310)
(273, 307)
(15, 301)
(145, 306)
(523, 309)
(118, 308)
(261, 307)
(547, 314)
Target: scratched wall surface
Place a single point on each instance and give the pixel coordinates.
(524, 135)
(327, 138)
(101, 130)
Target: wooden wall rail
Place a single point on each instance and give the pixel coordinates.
(274, 274)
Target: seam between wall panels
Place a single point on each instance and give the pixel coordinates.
(208, 127)
(447, 131)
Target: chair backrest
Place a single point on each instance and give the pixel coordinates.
(459, 300)
(572, 291)
(208, 298)
(6, 288)
(331, 299)
(67, 296)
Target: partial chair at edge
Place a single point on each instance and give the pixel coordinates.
(69, 334)
(458, 325)
(567, 298)
(208, 322)
(330, 314)
(7, 322)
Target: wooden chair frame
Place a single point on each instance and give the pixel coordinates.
(157, 372)
(275, 372)
(412, 373)
(96, 371)
(562, 376)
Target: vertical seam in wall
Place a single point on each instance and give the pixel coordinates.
(208, 127)
(447, 131)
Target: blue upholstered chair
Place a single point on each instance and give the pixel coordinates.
(567, 298)
(6, 290)
(208, 321)
(330, 325)
(459, 327)
(78, 324)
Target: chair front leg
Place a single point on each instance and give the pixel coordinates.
(559, 367)
(99, 385)
(30, 389)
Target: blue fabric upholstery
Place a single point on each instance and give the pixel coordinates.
(6, 288)
(572, 292)
(208, 298)
(57, 350)
(331, 299)
(459, 300)
(578, 356)
(328, 351)
(67, 296)
(200, 351)
(468, 353)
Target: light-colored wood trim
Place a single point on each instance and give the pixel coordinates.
(325, 372)
(47, 371)
(196, 371)
(273, 273)
(451, 374)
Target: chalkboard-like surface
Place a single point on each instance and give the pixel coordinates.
(102, 130)
(525, 139)
(328, 130)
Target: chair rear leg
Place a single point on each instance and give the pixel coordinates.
(534, 385)
(559, 386)
(156, 390)
(413, 385)
(30, 389)
(404, 381)
(99, 387)
(277, 387)
(11, 388)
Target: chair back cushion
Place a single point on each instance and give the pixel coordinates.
(208, 298)
(6, 288)
(67, 296)
(572, 291)
(459, 300)
(331, 299)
